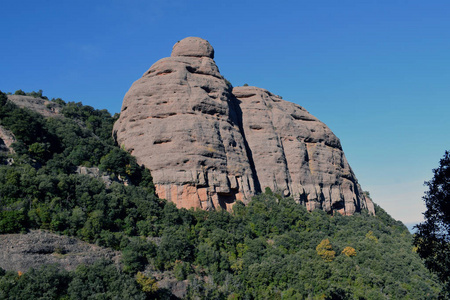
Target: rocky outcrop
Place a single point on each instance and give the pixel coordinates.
(42, 106)
(6, 139)
(208, 146)
(179, 121)
(106, 177)
(19, 252)
(296, 154)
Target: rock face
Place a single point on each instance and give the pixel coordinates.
(296, 154)
(208, 146)
(179, 121)
(6, 139)
(20, 252)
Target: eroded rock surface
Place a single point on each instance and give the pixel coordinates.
(42, 106)
(20, 252)
(208, 146)
(296, 154)
(6, 139)
(179, 121)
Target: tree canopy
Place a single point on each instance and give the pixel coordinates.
(433, 235)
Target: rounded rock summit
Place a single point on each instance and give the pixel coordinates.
(193, 47)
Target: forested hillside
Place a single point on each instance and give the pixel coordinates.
(271, 249)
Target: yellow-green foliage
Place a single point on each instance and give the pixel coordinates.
(325, 250)
(149, 285)
(349, 251)
(371, 236)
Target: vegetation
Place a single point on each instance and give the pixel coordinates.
(270, 249)
(102, 280)
(324, 250)
(34, 94)
(433, 235)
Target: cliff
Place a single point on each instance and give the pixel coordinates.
(208, 145)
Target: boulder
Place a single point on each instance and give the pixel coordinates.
(193, 46)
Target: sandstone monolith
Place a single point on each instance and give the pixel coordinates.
(208, 146)
(179, 121)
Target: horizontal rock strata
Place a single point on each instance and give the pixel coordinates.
(208, 146)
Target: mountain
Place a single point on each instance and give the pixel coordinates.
(65, 177)
(208, 145)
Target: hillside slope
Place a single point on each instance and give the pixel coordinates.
(270, 248)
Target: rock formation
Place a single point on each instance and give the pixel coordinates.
(42, 106)
(6, 139)
(179, 121)
(208, 146)
(296, 154)
(19, 252)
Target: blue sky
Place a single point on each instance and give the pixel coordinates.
(376, 72)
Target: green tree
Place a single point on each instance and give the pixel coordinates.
(46, 282)
(135, 255)
(103, 280)
(37, 94)
(12, 221)
(3, 99)
(433, 235)
(19, 92)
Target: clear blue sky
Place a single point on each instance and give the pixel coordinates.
(376, 72)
